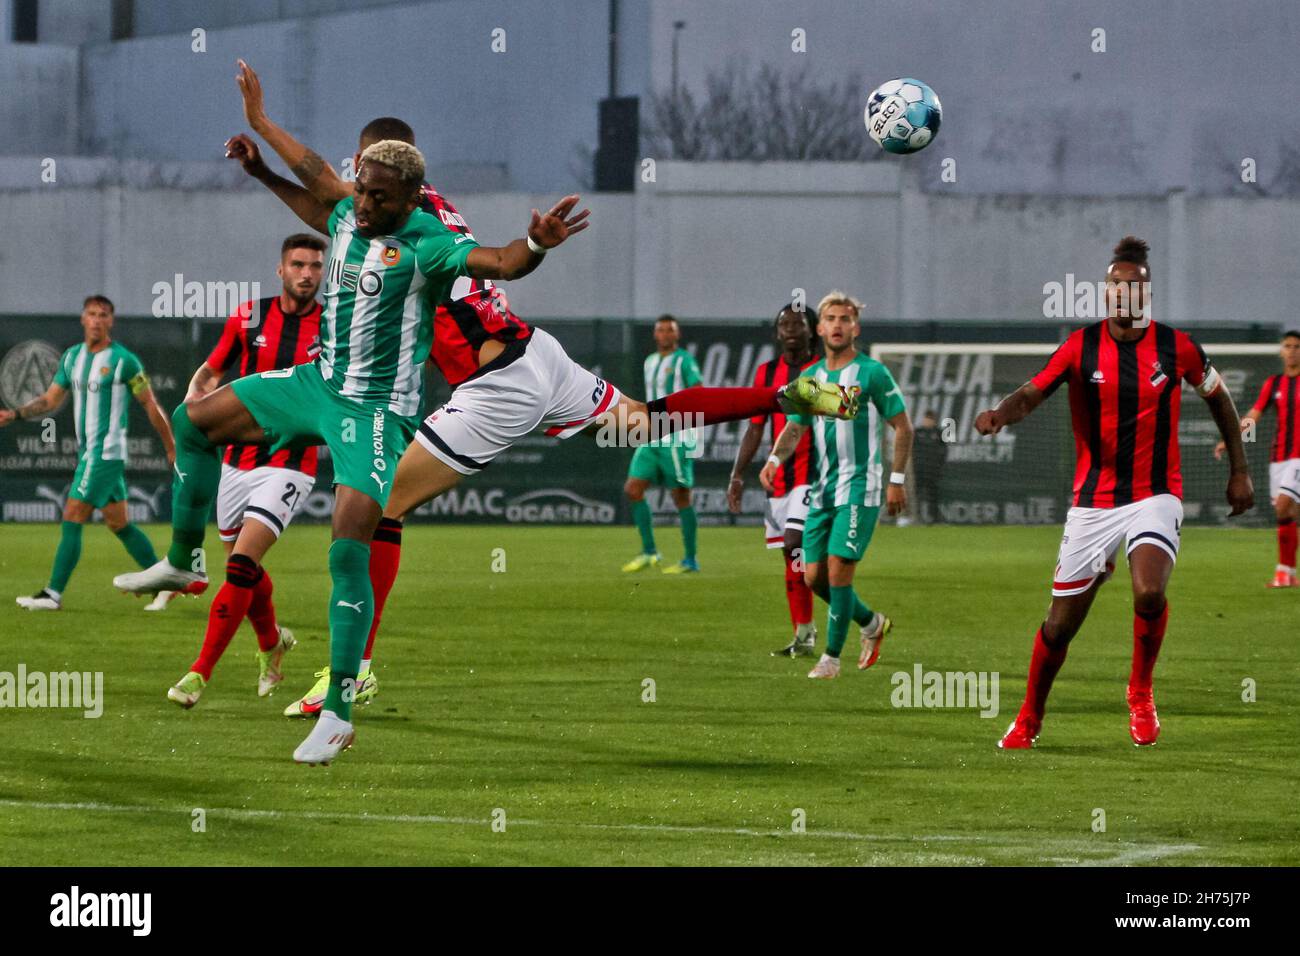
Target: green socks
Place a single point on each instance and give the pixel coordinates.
(689, 525)
(137, 545)
(644, 524)
(69, 551)
(194, 485)
(352, 608)
(845, 606)
(67, 556)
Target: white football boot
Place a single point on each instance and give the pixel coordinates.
(827, 668)
(330, 737)
(42, 600)
(162, 576)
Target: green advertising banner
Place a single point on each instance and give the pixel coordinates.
(1022, 476)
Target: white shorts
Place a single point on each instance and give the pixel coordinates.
(787, 513)
(519, 392)
(266, 494)
(1284, 479)
(1092, 537)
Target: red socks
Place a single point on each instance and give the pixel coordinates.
(261, 614)
(717, 404)
(1148, 635)
(1286, 543)
(1043, 666)
(798, 595)
(228, 609)
(385, 556)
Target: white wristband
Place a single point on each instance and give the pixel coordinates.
(774, 461)
(897, 478)
(539, 250)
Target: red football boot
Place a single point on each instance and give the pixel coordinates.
(1143, 724)
(1022, 734)
(1282, 579)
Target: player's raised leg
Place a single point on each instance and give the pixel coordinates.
(200, 427)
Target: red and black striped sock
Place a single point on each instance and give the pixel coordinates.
(1148, 635)
(385, 557)
(228, 609)
(261, 614)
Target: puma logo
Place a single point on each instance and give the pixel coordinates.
(356, 607)
(379, 481)
(179, 474)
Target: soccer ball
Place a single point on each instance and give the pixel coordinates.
(903, 115)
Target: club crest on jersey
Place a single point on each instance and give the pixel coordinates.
(390, 256)
(1158, 377)
(260, 341)
(1098, 377)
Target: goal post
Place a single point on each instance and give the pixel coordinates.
(1023, 475)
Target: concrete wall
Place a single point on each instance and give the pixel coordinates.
(705, 240)
(528, 109)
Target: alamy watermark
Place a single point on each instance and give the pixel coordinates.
(622, 428)
(196, 300)
(957, 689)
(1091, 300)
(81, 690)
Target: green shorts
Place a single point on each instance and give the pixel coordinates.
(666, 465)
(296, 408)
(844, 531)
(98, 482)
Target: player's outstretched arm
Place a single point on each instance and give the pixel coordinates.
(783, 448)
(314, 173)
(1014, 408)
(1241, 491)
(524, 255)
(749, 443)
(305, 206)
(52, 398)
(896, 495)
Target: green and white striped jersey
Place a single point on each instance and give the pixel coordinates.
(380, 297)
(101, 384)
(665, 374)
(848, 452)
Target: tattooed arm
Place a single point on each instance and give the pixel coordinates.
(312, 171)
(52, 398)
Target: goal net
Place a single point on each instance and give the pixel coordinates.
(1024, 474)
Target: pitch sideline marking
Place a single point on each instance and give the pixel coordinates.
(1129, 855)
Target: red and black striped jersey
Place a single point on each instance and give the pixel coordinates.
(1124, 403)
(1283, 393)
(262, 337)
(475, 312)
(801, 467)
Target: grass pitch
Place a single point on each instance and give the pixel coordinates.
(518, 697)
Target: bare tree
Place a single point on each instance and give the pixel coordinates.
(766, 114)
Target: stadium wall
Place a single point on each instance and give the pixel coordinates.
(713, 240)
